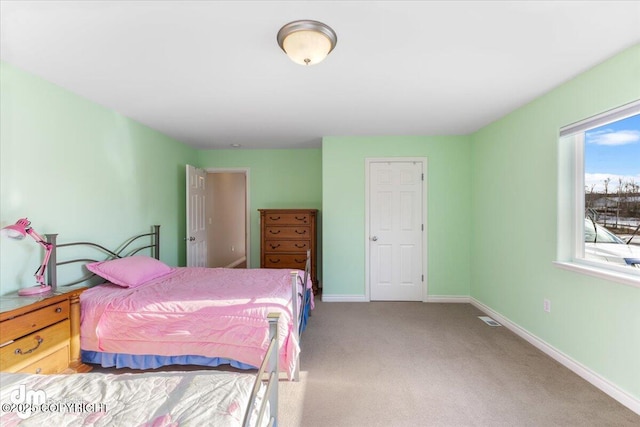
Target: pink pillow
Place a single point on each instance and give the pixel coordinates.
(130, 272)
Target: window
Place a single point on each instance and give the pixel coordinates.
(599, 195)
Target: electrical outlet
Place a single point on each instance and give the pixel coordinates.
(547, 305)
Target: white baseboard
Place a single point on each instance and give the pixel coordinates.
(344, 298)
(363, 298)
(448, 299)
(594, 378)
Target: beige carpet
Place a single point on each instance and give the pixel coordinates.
(416, 364)
(398, 364)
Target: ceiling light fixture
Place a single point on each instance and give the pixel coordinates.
(307, 42)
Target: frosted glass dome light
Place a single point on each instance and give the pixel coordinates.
(306, 42)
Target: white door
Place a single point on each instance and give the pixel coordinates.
(196, 224)
(395, 230)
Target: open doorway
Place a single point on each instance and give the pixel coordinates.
(227, 216)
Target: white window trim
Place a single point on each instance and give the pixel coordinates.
(570, 243)
(601, 272)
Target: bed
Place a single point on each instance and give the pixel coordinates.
(146, 399)
(148, 315)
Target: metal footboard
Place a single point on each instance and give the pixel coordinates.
(298, 314)
(269, 367)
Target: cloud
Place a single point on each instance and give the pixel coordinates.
(611, 137)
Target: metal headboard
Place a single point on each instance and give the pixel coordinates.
(125, 250)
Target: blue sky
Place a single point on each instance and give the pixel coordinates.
(612, 151)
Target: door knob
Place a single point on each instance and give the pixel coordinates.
(374, 238)
(191, 239)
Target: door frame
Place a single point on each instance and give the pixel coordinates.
(247, 215)
(368, 161)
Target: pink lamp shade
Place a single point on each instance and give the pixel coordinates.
(18, 231)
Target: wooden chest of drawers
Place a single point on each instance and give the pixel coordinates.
(41, 335)
(285, 237)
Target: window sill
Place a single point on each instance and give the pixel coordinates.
(602, 273)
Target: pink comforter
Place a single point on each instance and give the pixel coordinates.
(212, 312)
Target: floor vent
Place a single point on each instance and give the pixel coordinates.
(489, 321)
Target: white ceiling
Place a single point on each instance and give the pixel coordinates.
(210, 73)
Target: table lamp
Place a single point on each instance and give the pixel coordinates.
(18, 231)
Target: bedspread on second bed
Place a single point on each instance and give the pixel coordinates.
(212, 312)
(162, 399)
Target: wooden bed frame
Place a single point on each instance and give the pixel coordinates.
(135, 245)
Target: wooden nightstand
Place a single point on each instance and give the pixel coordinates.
(41, 335)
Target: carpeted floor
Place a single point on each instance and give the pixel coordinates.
(416, 364)
(397, 364)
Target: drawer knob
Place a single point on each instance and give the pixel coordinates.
(59, 310)
(274, 218)
(274, 246)
(38, 370)
(301, 218)
(301, 232)
(274, 232)
(299, 260)
(274, 261)
(40, 341)
(300, 245)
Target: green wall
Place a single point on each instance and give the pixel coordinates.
(95, 175)
(83, 171)
(448, 204)
(277, 179)
(514, 222)
(104, 177)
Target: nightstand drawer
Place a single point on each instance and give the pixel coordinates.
(296, 262)
(56, 362)
(290, 232)
(26, 350)
(22, 325)
(287, 245)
